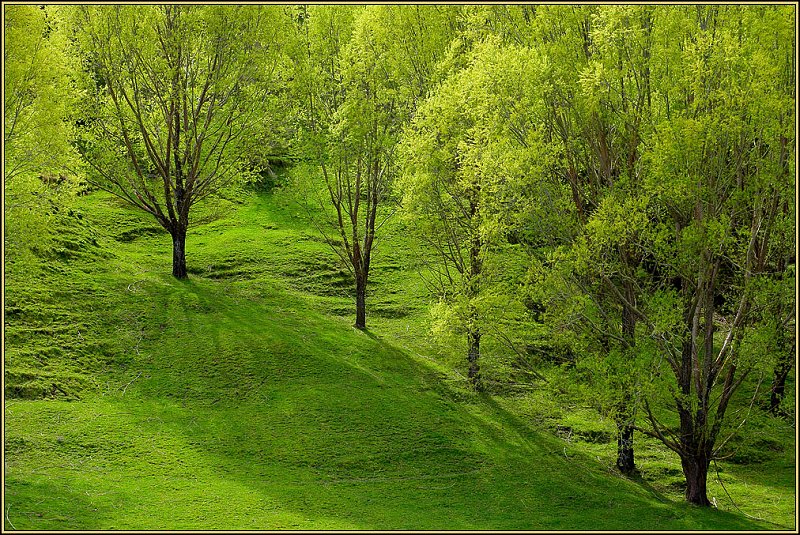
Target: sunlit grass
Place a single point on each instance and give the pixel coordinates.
(244, 399)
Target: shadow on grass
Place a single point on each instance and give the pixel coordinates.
(342, 429)
(41, 504)
(639, 480)
(597, 486)
(294, 420)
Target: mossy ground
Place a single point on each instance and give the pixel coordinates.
(242, 398)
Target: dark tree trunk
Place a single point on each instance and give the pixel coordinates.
(625, 460)
(475, 265)
(179, 253)
(785, 344)
(693, 426)
(361, 302)
(695, 470)
(474, 374)
(778, 389)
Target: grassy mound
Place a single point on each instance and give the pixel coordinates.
(243, 398)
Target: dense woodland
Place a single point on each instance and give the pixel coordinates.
(598, 198)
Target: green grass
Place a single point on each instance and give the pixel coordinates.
(244, 399)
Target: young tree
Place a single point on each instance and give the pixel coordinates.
(443, 196)
(616, 85)
(38, 101)
(365, 81)
(173, 89)
(598, 104)
(467, 140)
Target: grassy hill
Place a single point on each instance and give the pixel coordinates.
(243, 398)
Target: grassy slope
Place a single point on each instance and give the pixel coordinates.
(240, 400)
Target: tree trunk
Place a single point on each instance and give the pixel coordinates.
(361, 305)
(695, 470)
(475, 265)
(625, 413)
(625, 460)
(474, 374)
(778, 389)
(785, 345)
(179, 253)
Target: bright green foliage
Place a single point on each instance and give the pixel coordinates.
(357, 93)
(38, 97)
(37, 93)
(721, 184)
(323, 32)
(467, 155)
(173, 92)
(598, 211)
(647, 255)
(683, 181)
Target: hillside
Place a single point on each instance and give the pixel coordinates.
(243, 398)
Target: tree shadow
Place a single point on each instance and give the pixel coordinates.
(353, 431)
(48, 505)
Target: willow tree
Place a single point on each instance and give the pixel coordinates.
(38, 100)
(172, 91)
(616, 89)
(363, 71)
(721, 182)
(472, 138)
(36, 91)
(674, 138)
(597, 107)
(677, 145)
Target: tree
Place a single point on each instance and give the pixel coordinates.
(681, 181)
(365, 81)
(38, 102)
(172, 91)
(720, 172)
(467, 140)
(616, 84)
(444, 196)
(785, 342)
(598, 104)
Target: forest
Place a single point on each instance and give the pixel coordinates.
(335, 267)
